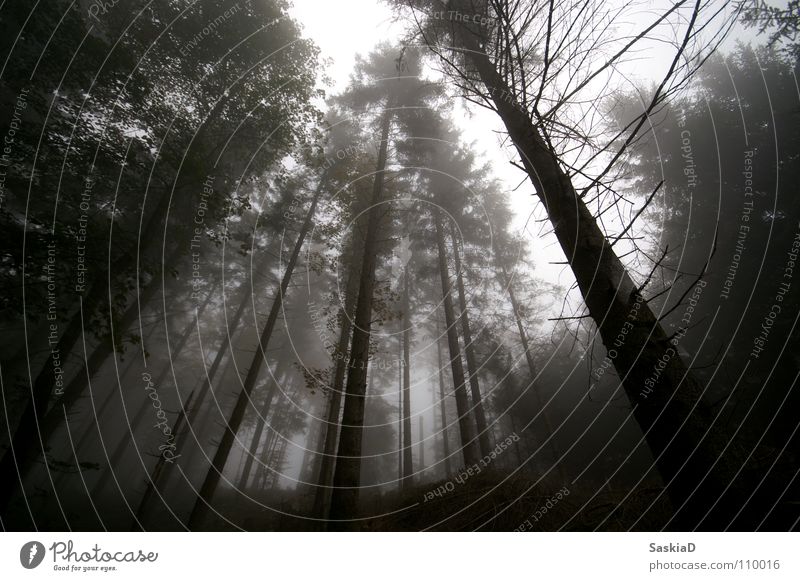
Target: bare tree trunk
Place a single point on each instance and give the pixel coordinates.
(469, 447)
(323, 491)
(191, 416)
(421, 444)
(93, 429)
(408, 461)
(275, 424)
(673, 416)
(203, 387)
(523, 336)
(469, 350)
(234, 422)
(400, 413)
(346, 477)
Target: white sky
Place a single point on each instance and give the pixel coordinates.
(344, 28)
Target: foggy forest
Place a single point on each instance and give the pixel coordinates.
(469, 265)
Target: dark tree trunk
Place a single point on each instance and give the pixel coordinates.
(469, 446)
(262, 417)
(94, 429)
(442, 406)
(400, 413)
(469, 351)
(347, 475)
(673, 416)
(323, 490)
(408, 461)
(523, 337)
(421, 445)
(234, 422)
(191, 416)
(100, 354)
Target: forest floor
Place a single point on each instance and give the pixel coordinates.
(490, 501)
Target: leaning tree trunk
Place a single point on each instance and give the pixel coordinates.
(262, 418)
(94, 429)
(523, 337)
(673, 416)
(323, 491)
(154, 477)
(347, 475)
(408, 461)
(191, 416)
(234, 422)
(278, 422)
(275, 425)
(421, 445)
(466, 428)
(469, 350)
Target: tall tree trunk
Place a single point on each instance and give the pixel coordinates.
(442, 406)
(400, 413)
(408, 461)
(421, 444)
(469, 350)
(234, 422)
(523, 337)
(94, 430)
(262, 417)
(469, 447)
(673, 416)
(312, 455)
(193, 425)
(347, 475)
(278, 423)
(323, 492)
